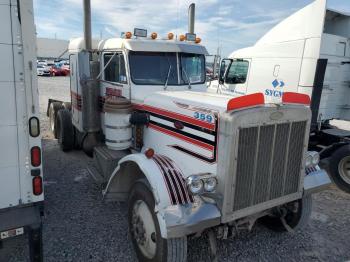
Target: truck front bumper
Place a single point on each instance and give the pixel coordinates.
(316, 181)
(182, 220)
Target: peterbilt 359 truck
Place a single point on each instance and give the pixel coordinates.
(188, 162)
(21, 182)
(307, 53)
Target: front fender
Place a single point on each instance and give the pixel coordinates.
(134, 167)
(316, 180)
(165, 180)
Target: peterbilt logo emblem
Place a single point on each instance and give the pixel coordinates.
(276, 115)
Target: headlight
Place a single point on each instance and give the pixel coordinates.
(315, 158)
(312, 159)
(195, 184)
(308, 161)
(210, 184)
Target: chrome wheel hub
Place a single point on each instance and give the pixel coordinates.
(344, 169)
(143, 229)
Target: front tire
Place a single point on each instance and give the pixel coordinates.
(145, 232)
(296, 215)
(340, 168)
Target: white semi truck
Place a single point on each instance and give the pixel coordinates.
(307, 53)
(188, 162)
(21, 184)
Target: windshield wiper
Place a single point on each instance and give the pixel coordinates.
(167, 78)
(189, 81)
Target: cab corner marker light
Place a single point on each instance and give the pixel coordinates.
(182, 37)
(198, 40)
(154, 35)
(128, 35)
(296, 98)
(170, 36)
(149, 153)
(246, 101)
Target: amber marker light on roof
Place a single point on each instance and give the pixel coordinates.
(128, 35)
(198, 40)
(154, 36)
(170, 36)
(182, 38)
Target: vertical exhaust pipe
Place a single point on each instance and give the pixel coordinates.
(87, 24)
(191, 17)
(90, 89)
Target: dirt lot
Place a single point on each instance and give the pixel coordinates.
(79, 226)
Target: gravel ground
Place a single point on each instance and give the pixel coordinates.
(79, 226)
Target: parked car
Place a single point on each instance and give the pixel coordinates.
(57, 71)
(43, 70)
(66, 69)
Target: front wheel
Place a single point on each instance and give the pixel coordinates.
(340, 168)
(291, 216)
(145, 232)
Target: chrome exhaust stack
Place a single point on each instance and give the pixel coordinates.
(90, 89)
(191, 18)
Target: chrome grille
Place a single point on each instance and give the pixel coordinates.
(269, 163)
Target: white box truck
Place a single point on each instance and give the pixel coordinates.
(21, 184)
(308, 53)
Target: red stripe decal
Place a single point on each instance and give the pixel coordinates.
(296, 98)
(181, 178)
(176, 116)
(182, 137)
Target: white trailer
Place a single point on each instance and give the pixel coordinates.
(308, 53)
(21, 186)
(188, 162)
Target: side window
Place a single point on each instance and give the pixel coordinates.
(115, 70)
(237, 73)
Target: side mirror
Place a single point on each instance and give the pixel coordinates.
(224, 65)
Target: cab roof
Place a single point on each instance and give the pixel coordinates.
(145, 45)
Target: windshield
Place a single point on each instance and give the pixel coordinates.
(151, 68)
(192, 68)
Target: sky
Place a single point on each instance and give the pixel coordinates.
(225, 24)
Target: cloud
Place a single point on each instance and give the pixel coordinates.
(230, 24)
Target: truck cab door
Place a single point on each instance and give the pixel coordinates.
(114, 77)
(236, 77)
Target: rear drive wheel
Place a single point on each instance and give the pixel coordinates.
(65, 130)
(145, 232)
(296, 215)
(54, 107)
(340, 168)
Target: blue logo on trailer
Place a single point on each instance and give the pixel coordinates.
(273, 92)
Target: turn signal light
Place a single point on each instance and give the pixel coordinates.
(246, 101)
(35, 154)
(198, 40)
(149, 153)
(37, 185)
(170, 36)
(154, 35)
(182, 37)
(128, 35)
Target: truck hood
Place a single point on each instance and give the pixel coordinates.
(189, 102)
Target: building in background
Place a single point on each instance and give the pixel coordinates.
(52, 49)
